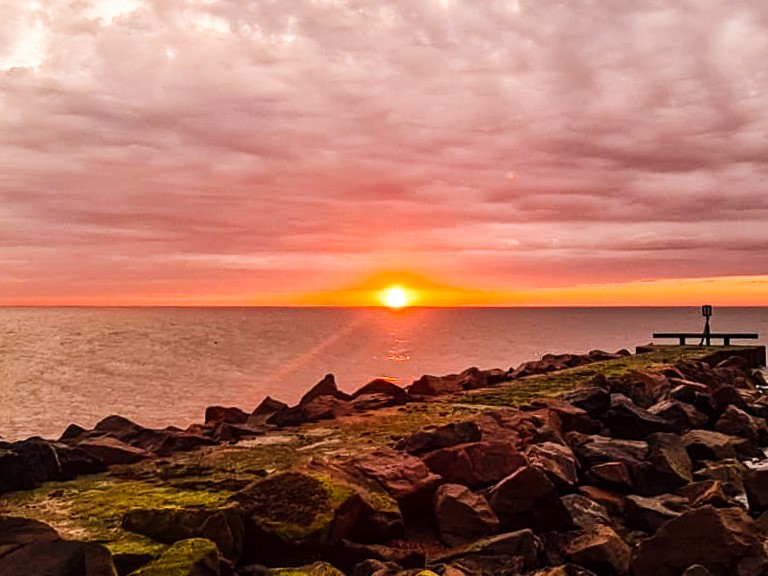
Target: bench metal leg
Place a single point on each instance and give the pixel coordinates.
(726, 341)
(682, 341)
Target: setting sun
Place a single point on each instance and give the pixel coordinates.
(395, 297)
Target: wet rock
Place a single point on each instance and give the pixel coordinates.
(296, 516)
(58, 558)
(463, 516)
(724, 541)
(326, 387)
(17, 532)
(385, 387)
(594, 400)
(648, 514)
(599, 549)
(557, 462)
(527, 499)
(476, 464)
(436, 437)
(193, 557)
(223, 526)
(627, 420)
(230, 415)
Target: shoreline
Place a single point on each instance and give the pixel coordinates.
(380, 487)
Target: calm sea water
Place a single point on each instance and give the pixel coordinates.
(162, 366)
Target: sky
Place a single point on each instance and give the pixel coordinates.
(273, 152)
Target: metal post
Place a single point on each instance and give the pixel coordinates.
(706, 311)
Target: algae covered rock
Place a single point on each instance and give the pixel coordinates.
(223, 526)
(192, 557)
(296, 515)
(315, 569)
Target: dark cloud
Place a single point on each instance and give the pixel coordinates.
(301, 145)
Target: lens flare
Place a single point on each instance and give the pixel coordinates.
(395, 297)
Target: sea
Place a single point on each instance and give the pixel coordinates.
(163, 366)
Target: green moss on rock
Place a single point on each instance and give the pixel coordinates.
(184, 558)
(316, 569)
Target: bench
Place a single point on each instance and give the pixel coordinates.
(726, 337)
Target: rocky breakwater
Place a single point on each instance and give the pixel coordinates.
(639, 468)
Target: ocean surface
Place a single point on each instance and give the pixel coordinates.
(162, 366)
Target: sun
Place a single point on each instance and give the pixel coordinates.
(395, 297)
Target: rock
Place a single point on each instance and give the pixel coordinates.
(736, 422)
(564, 570)
(613, 474)
(72, 432)
(627, 420)
(557, 462)
(436, 437)
(429, 385)
(263, 411)
(570, 416)
(599, 549)
(756, 486)
(667, 468)
(222, 526)
(730, 471)
(381, 386)
(522, 545)
(58, 558)
(314, 569)
(18, 532)
(372, 567)
(158, 442)
(682, 416)
(193, 557)
(215, 414)
(611, 501)
(648, 514)
(373, 402)
(643, 388)
(402, 475)
(347, 555)
(296, 515)
(724, 541)
(326, 387)
(527, 499)
(112, 451)
(586, 513)
(225, 432)
(709, 445)
(694, 394)
(594, 450)
(725, 396)
(495, 376)
(707, 493)
(475, 465)
(463, 516)
(594, 400)
(323, 407)
(696, 570)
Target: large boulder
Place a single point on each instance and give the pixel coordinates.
(737, 422)
(476, 464)
(193, 557)
(112, 451)
(710, 445)
(667, 468)
(58, 558)
(223, 526)
(435, 437)
(528, 499)
(683, 416)
(264, 410)
(294, 515)
(230, 415)
(725, 541)
(594, 400)
(428, 385)
(322, 407)
(586, 513)
(648, 514)
(463, 516)
(756, 486)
